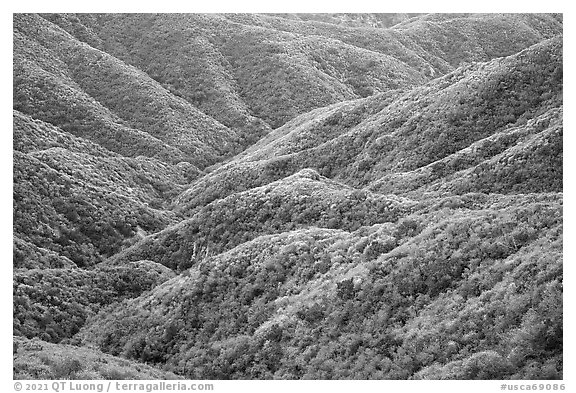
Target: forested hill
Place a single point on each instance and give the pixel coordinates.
(326, 196)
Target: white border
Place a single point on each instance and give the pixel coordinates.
(293, 6)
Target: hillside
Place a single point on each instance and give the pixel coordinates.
(352, 20)
(81, 89)
(525, 158)
(301, 200)
(362, 141)
(74, 295)
(35, 359)
(288, 196)
(420, 298)
(307, 64)
(80, 201)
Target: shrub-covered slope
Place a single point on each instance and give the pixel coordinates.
(94, 95)
(363, 141)
(76, 199)
(287, 196)
(352, 20)
(430, 43)
(301, 200)
(73, 218)
(53, 304)
(241, 68)
(469, 290)
(235, 71)
(522, 158)
(36, 359)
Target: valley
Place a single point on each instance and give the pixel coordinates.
(303, 196)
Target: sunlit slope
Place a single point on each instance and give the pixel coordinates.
(35, 359)
(363, 141)
(467, 287)
(299, 201)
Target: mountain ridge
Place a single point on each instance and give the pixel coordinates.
(264, 196)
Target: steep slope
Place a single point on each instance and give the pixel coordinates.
(240, 68)
(71, 217)
(352, 20)
(53, 304)
(246, 196)
(35, 359)
(26, 255)
(190, 68)
(76, 199)
(230, 80)
(91, 94)
(419, 298)
(300, 200)
(525, 158)
(366, 140)
(432, 43)
(459, 38)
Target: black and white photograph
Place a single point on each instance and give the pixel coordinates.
(287, 196)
